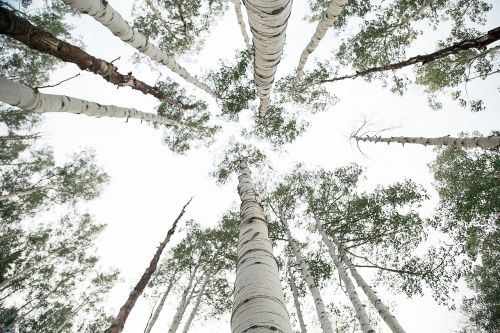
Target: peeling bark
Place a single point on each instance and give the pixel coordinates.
(477, 43)
(23, 31)
(268, 21)
(359, 308)
(119, 321)
(259, 304)
(325, 323)
(488, 142)
(377, 303)
(330, 16)
(102, 12)
(29, 99)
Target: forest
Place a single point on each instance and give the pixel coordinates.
(254, 166)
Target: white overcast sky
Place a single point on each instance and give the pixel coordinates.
(150, 184)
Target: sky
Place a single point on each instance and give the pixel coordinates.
(150, 184)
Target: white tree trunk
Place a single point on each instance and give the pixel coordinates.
(296, 300)
(259, 304)
(28, 99)
(102, 12)
(377, 303)
(184, 302)
(325, 323)
(268, 21)
(241, 23)
(490, 142)
(158, 309)
(330, 16)
(351, 291)
(198, 302)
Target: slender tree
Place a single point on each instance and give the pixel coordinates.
(489, 142)
(121, 318)
(334, 9)
(241, 23)
(296, 301)
(105, 14)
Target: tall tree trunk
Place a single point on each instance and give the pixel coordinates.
(477, 43)
(259, 304)
(377, 303)
(268, 21)
(325, 323)
(102, 12)
(329, 17)
(241, 23)
(22, 30)
(296, 300)
(490, 142)
(158, 309)
(184, 301)
(70, 316)
(29, 99)
(119, 321)
(351, 291)
(199, 297)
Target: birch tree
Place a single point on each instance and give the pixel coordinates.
(241, 23)
(268, 24)
(105, 14)
(119, 322)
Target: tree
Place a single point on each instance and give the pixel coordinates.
(468, 186)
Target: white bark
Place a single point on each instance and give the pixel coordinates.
(28, 99)
(330, 16)
(489, 142)
(241, 23)
(325, 323)
(198, 302)
(359, 308)
(268, 21)
(102, 12)
(183, 303)
(377, 303)
(259, 304)
(296, 300)
(158, 309)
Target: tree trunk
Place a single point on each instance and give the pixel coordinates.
(325, 323)
(259, 304)
(102, 12)
(330, 16)
(241, 23)
(22, 193)
(377, 303)
(296, 300)
(478, 43)
(184, 301)
(198, 301)
(15, 137)
(22, 30)
(268, 21)
(351, 291)
(119, 321)
(158, 309)
(66, 320)
(489, 142)
(29, 99)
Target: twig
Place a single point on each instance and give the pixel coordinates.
(112, 61)
(55, 85)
